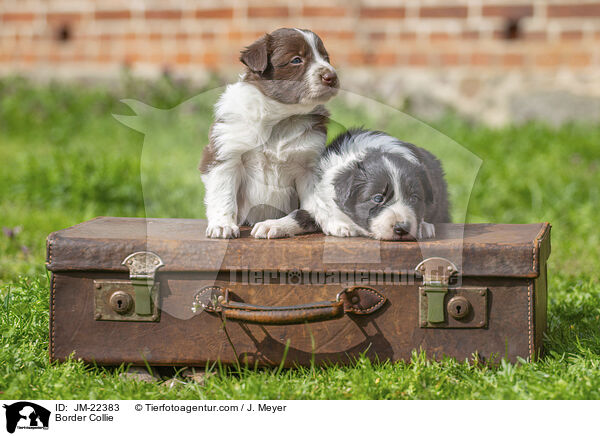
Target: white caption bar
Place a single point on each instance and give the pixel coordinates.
(147, 418)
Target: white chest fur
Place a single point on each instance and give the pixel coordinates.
(271, 145)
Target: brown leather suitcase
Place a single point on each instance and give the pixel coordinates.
(157, 291)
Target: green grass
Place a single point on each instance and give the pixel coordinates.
(67, 159)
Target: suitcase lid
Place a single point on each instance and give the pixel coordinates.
(486, 250)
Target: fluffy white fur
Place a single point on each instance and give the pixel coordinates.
(318, 64)
(276, 228)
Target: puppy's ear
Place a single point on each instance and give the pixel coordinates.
(343, 188)
(256, 55)
(347, 183)
(362, 172)
(426, 183)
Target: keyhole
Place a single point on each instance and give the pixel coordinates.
(120, 302)
(458, 307)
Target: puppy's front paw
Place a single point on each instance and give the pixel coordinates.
(427, 231)
(340, 230)
(270, 229)
(224, 231)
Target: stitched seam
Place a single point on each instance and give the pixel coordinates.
(53, 330)
(274, 309)
(210, 288)
(374, 306)
(50, 251)
(52, 304)
(529, 323)
(534, 255)
(536, 243)
(370, 308)
(535, 250)
(277, 311)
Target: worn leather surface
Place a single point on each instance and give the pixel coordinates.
(392, 332)
(362, 300)
(516, 305)
(358, 300)
(489, 250)
(287, 315)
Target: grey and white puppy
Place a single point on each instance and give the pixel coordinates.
(368, 183)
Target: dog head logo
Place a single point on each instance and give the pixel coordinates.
(172, 185)
(26, 415)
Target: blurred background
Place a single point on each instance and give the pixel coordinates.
(497, 61)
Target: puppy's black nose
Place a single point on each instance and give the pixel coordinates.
(401, 228)
(329, 78)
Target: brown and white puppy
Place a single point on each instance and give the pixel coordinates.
(269, 130)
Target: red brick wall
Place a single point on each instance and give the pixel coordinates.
(41, 36)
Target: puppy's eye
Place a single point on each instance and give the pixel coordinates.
(378, 198)
(297, 60)
(413, 198)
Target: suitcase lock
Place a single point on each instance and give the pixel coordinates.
(466, 306)
(132, 300)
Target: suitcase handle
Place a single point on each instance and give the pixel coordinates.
(358, 300)
(284, 315)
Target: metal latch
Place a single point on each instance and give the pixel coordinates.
(133, 300)
(444, 306)
(142, 268)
